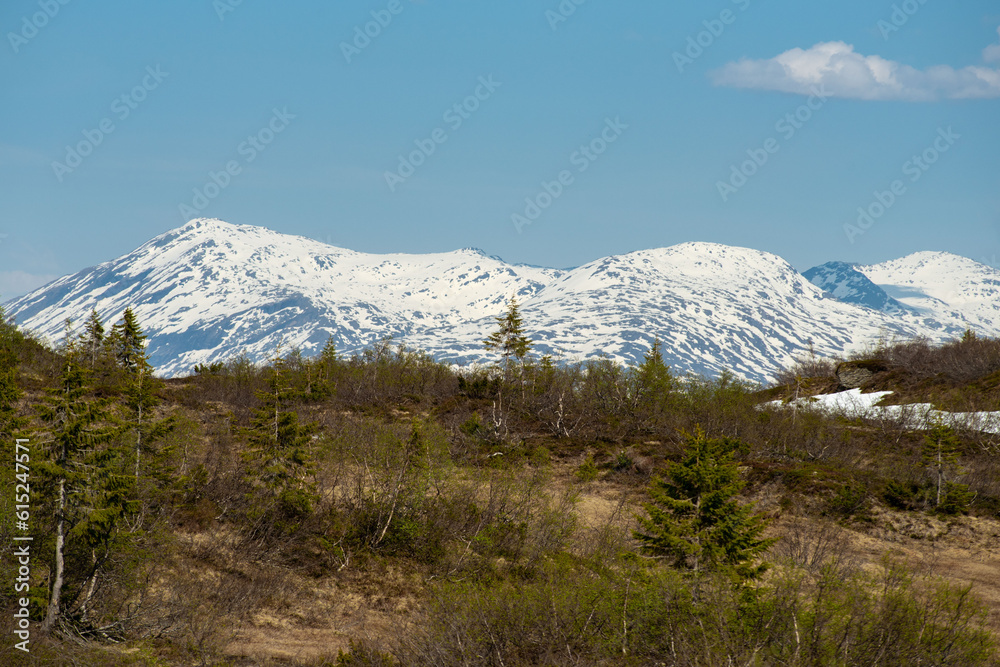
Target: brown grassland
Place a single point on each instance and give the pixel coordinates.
(384, 509)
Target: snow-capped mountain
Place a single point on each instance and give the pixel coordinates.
(952, 290)
(849, 285)
(211, 290)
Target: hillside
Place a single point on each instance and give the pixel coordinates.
(283, 515)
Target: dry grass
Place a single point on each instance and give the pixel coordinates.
(961, 550)
(301, 620)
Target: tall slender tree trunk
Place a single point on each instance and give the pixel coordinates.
(91, 586)
(940, 474)
(138, 440)
(52, 613)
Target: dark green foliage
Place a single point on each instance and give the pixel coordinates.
(509, 339)
(477, 385)
(472, 426)
(278, 459)
(587, 472)
(127, 342)
(92, 340)
(940, 455)
(955, 499)
(693, 519)
(87, 494)
(849, 501)
(215, 368)
(654, 385)
(328, 360)
(902, 495)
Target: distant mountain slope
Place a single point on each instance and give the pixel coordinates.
(953, 290)
(849, 285)
(210, 290)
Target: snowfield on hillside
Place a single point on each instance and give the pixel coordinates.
(210, 291)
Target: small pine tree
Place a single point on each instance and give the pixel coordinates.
(653, 379)
(693, 518)
(940, 455)
(128, 342)
(277, 453)
(509, 339)
(327, 367)
(92, 340)
(328, 355)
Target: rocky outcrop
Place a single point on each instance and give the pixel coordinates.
(855, 374)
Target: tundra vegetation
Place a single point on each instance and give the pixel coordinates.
(385, 509)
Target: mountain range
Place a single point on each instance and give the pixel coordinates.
(210, 290)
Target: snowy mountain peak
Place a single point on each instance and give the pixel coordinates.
(210, 290)
(846, 283)
(943, 286)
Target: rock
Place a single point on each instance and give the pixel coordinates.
(854, 374)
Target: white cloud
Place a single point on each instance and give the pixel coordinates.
(991, 53)
(836, 68)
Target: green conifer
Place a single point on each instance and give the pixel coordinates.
(940, 455)
(509, 339)
(693, 518)
(277, 456)
(128, 342)
(88, 494)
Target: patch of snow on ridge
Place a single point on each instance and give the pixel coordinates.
(856, 405)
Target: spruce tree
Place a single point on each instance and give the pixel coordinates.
(92, 340)
(128, 345)
(509, 339)
(653, 380)
(86, 493)
(513, 346)
(128, 342)
(324, 366)
(278, 462)
(694, 520)
(940, 455)
(328, 359)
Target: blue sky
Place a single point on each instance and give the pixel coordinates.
(288, 116)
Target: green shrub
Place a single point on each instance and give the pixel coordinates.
(849, 501)
(956, 499)
(902, 495)
(575, 612)
(362, 654)
(587, 471)
(622, 461)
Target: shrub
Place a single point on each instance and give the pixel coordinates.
(587, 471)
(576, 612)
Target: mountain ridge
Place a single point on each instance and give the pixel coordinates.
(210, 290)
